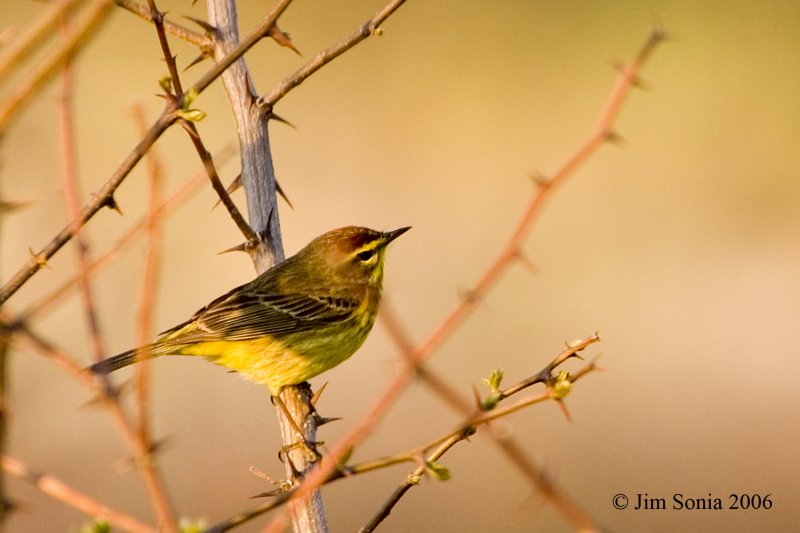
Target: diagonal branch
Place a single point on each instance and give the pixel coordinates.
(98, 13)
(62, 492)
(368, 29)
(35, 35)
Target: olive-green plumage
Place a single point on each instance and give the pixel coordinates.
(296, 320)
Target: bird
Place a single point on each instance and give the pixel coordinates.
(293, 322)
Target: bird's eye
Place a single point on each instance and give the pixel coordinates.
(366, 255)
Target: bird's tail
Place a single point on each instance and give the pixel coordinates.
(126, 358)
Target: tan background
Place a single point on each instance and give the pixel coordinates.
(680, 247)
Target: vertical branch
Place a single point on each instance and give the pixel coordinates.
(258, 180)
(150, 277)
(71, 190)
(258, 173)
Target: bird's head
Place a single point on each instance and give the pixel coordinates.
(352, 254)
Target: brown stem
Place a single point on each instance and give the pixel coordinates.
(170, 27)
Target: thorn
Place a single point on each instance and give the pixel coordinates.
(321, 421)
(199, 59)
(269, 494)
(129, 463)
(278, 118)
(659, 33)
(525, 260)
(235, 184)
(469, 296)
(279, 190)
(564, 410)
(111, 203)
(282, 39)
(315, 397)
(209, 28)
(640, 83)
(12, 506)
(40, 259)
(614, 137)
(468, 432)
(637, 81)
(238, 248)
(539, 179)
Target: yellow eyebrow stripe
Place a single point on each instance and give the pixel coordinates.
(369, 246)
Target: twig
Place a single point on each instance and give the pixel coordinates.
(62, 492)
(411, 481)
(175, 29)
(510, 253)
(367, 29)
(194, 135)
(98, 13)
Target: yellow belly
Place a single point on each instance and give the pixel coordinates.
(277, 363)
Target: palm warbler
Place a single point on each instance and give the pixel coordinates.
(296, 320)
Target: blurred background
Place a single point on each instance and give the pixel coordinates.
(679, 245)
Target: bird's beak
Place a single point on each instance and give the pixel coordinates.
(392, 235)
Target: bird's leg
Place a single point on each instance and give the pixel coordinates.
(310, 448)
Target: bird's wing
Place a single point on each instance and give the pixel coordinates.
(247, 314)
